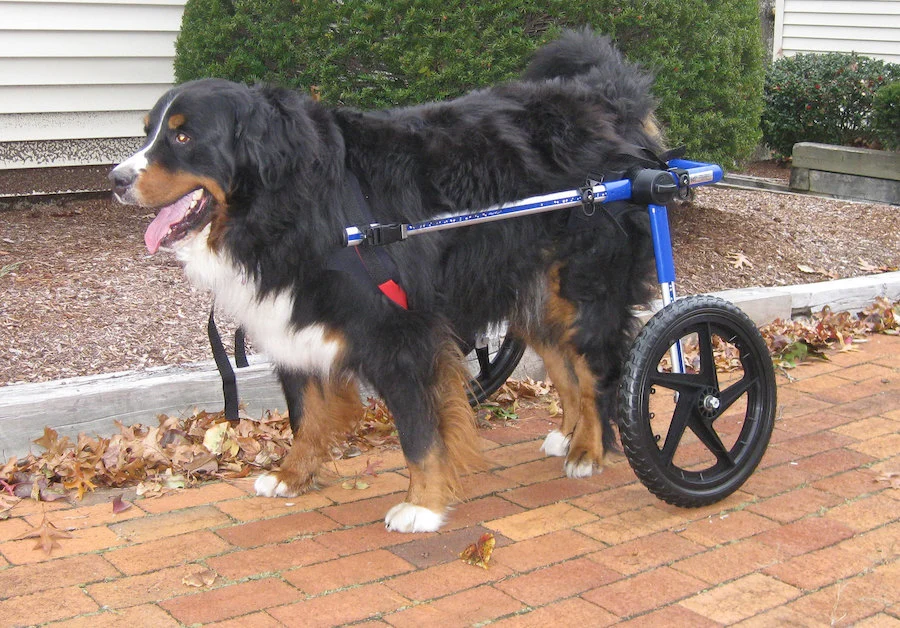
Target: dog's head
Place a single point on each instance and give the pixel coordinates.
(186, 167)
(211, 146)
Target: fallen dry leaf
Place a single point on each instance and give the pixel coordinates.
(739, 260)
(119, 504)
(809, 270)
(479, 552)
(47, 535)
(202, 578)
(892, 478)
(371, 467)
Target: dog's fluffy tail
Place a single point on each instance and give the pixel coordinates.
(593, 61)
(578, 53)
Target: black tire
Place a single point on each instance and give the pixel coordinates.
(491, 364)
(709, 469)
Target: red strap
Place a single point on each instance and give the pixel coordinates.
(394, 292)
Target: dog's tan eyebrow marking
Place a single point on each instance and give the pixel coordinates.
(176, 121)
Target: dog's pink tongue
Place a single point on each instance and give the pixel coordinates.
(167, 216)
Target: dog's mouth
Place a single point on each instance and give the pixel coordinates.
(175, 221)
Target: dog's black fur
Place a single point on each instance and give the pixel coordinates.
(273, 165)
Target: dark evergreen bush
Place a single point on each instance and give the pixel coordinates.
(376, 53)
(824, 98)
(886, 115)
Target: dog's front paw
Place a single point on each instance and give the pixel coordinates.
(406, 517)
(582, 469)
(270, 486)
(556, 444)
(581, 463)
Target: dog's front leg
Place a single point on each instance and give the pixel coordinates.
(330, 407)
(437, 432)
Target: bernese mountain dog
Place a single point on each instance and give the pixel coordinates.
(253, 190)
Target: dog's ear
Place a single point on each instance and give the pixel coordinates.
(256, 159)
(275, 137)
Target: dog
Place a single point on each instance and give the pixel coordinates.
(252, 184)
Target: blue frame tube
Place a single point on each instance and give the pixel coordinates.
(662, 243)
(699, 173)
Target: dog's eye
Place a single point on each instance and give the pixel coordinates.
(182, 138)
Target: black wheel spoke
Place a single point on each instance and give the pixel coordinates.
(730, 395)
(494, 367)
(707, 359)
(684, 383)
(680, 419)
(709, 437)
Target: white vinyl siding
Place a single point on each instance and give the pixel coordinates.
(83, 70)
(868, 27)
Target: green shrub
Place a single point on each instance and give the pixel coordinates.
(886, 115)
(378, 53)
(824, 98)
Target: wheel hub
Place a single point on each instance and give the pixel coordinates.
(708, 402)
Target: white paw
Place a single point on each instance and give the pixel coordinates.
(581, 469)
(556, 444)
(406, 517)
(269, 486)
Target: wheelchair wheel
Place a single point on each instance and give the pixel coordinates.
(694, 437)
(491, 359)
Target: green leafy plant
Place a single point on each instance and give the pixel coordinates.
(707, 57)
(824, 98)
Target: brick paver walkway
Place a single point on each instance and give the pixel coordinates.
(812, 539)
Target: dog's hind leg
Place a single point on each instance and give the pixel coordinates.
(579, 437)
(330, 407)
(439, 448)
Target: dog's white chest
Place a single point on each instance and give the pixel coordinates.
(267, 320)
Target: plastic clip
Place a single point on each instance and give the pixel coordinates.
(379, 235)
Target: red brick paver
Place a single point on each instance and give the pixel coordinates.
(813, 538)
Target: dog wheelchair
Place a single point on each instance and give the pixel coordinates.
(697, 397)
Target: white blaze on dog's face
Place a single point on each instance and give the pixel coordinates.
(182, 169)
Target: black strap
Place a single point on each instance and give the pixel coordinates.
(226, 372)
(240, 348)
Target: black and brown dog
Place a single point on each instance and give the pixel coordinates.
(252, 189)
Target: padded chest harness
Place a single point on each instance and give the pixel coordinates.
(370, 267)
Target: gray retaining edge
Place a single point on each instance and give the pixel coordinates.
(93, 403)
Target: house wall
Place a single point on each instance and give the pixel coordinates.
(868, 27)
(77, 77)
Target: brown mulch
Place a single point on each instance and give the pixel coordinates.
(81, 296)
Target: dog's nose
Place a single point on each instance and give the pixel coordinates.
(121, 180)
